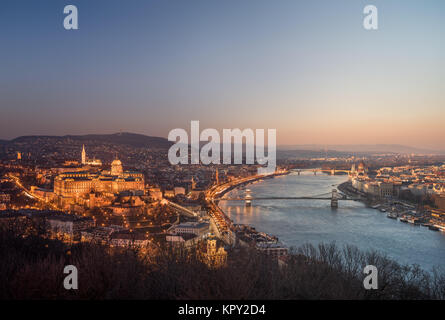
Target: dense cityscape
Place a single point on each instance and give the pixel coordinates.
(144, 202)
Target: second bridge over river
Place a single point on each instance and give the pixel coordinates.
(333, 196)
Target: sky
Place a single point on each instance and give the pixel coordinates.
(306, 68)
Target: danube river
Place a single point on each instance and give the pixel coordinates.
(297, 222)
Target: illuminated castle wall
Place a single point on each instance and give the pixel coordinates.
(75, 184)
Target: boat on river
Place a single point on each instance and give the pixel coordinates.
(433, 227)
(403, 219)
(392, 215)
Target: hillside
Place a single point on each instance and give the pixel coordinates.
(131, 139)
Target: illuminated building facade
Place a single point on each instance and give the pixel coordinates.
(214, 257)
(68, 227)
(75, 184)
(86, 161)
(360, 171)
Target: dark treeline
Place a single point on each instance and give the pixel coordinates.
(32, 268)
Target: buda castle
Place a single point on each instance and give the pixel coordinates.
(116, 180)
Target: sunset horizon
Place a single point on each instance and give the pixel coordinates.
(318, 80)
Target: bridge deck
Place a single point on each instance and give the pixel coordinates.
(286, 198)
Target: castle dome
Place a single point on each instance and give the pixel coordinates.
(116, 167)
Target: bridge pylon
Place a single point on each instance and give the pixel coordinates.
(248, 198)
(334, 199)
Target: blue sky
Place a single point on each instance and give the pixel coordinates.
(308, 69)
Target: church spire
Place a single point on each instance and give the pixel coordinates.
(84, 155)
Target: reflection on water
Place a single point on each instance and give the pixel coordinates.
(299, 221)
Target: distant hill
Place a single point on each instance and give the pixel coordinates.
(125, 138)
(363, 148)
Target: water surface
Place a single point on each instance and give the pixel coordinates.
(297, 222)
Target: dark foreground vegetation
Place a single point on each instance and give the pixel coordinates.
(32, 268)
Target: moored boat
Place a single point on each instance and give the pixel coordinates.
(403, 219)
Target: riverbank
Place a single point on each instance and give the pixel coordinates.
(394, 208)
(299, 222)
(245, 181)
(224, 225)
